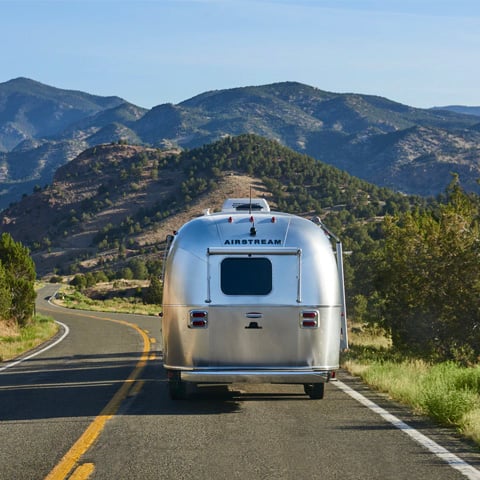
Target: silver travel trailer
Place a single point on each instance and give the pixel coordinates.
(252, 295)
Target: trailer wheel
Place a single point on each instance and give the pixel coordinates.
(176, 388)
(314, 390)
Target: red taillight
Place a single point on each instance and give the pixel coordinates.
(198, 319)
(199, 323)
(309, 319)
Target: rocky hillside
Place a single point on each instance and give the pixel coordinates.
(407, 149)
(115, 202)
(42, 128)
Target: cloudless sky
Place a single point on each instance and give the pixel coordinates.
(421, 53)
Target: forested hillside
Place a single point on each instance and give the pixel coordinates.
(115, 202)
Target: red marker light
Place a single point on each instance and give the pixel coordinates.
(309, 319)
(230, 219)
(199, 323)
(198, 319)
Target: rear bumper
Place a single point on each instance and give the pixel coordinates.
(257, 376)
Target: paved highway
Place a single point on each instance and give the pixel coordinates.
(96, 405)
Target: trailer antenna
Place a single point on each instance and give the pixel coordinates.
(253, 230)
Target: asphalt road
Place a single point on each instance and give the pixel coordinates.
(96, 406)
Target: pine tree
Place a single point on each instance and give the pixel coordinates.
(20, 276)
(154, 292)
(5, 297)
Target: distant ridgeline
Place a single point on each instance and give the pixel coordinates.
(386, 143)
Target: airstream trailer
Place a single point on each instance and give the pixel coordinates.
(252, 295)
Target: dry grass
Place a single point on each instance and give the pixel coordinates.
(8, 329)
(364, 335)
(471, 425)
(14, 340)
(229, 186)
(446, 392)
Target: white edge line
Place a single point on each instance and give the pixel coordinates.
(48, 347)
(453, 460)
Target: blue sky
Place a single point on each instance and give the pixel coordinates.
(418, 52)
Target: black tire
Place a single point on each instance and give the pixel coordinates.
(314, 390)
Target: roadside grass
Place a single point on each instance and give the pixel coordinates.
(15, 341)
(68, 297)
(446, 392)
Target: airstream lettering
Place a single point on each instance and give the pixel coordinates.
(256, 241)
(253, 296)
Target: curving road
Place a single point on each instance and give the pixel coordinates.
(96, 406)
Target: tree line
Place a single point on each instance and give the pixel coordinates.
(135, 268)
(425, 289)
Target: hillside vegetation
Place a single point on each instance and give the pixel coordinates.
(404, 148)
(117, 201)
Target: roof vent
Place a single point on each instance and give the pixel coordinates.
(245, 205)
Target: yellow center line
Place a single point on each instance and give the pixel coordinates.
(81, 446)
(136, 388)
(83, 472)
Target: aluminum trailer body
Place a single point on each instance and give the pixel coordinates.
(252, 295)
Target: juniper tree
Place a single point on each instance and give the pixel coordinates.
(19, 277)
(429, 279)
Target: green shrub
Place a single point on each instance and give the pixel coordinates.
(450, 391)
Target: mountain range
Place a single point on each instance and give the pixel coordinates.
(408, 149)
